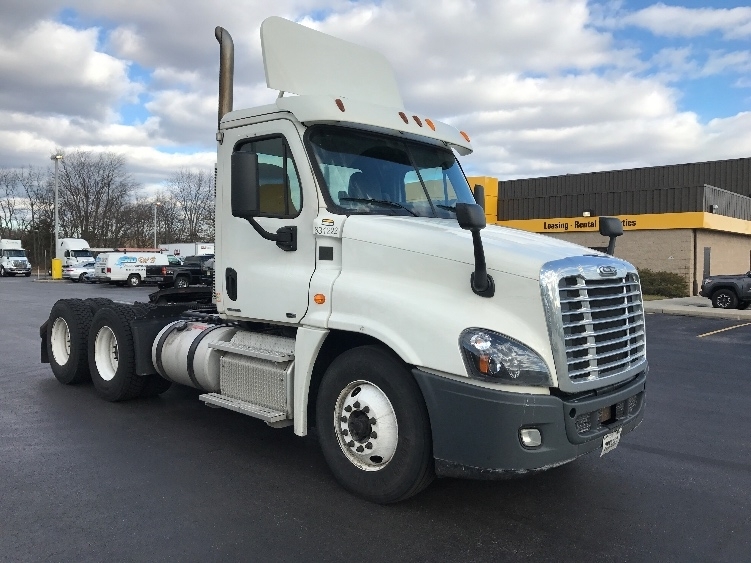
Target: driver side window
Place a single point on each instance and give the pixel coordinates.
(278, 183)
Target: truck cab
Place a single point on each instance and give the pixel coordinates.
(13, 259)
(73, 251)
(358, 290)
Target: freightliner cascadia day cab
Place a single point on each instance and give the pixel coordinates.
(13, 258)
(358, 291)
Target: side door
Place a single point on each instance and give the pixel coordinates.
(260, 280)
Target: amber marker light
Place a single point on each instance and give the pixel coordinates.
(319, 298)
(465, 136)
(430, 123)
(340, 104)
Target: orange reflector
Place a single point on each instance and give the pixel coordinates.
(319, 298)
(484, 366)
(340, 104)
(430, 123)
(404, 117)
(465, 136)
(417, 120)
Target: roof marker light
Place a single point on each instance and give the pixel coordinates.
(404, 117)
(340, 104)
(417, 120)
(430, 123)
(465, 136)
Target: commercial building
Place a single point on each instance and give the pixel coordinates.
(690, 219)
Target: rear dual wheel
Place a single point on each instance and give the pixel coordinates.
(67, 336)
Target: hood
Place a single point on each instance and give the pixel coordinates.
(506, 250)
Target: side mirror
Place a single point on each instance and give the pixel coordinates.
(611, 227)
(245, 196)
(471, 217)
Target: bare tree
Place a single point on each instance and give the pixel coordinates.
(193, 193)
(95, 197)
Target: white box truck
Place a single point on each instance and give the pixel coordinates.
(126, 268)
(358, 291)
(73, 251)
(185, 249)
(13, 258)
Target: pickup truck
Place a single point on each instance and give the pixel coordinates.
(728, 292)
(191, 272)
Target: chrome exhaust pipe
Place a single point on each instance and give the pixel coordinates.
(226, 70)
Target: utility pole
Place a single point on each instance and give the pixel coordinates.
(156, 204)
(56, 157)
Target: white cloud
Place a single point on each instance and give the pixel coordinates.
(539, 84)
(53, 68)
(677, 21)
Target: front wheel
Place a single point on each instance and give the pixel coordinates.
(373, 426)
(27, 274)
(3, 273)
(182, 282)
(724, 299)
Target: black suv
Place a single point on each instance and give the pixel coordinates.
(728, 292)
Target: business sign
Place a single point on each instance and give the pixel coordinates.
(654, 221)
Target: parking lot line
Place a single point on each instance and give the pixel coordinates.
(722, 330)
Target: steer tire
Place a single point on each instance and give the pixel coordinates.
(724, 299)
(111, 354)
(384, 459)
(67, 340)
(181, 282)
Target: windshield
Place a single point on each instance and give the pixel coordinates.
(81, 253)
(15, 253)
(376, 174)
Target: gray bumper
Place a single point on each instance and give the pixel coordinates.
(476, 429)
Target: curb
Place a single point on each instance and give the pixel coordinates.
(693, 311)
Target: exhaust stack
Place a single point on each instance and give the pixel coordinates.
(226, 70)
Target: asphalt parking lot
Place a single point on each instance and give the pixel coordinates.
(170, 479)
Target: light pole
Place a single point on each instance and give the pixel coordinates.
(56, 157)
(156, 204)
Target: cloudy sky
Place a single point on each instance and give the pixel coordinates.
(542, 86)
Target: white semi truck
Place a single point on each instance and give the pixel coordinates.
(13, 259)
(73, 251)
(358, 291)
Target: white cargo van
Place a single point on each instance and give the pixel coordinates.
(73, 251)
(13, 258)
(184, 249)
(126, 267)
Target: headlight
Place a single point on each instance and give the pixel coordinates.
(493, 357)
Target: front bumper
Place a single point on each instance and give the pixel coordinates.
(476, 429)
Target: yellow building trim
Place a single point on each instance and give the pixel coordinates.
(491, 195)
(653, 221)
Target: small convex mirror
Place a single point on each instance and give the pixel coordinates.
(245, 193)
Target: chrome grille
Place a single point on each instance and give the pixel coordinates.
(603, 325)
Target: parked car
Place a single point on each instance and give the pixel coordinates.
(193, 271)
(728, 292)
(78, 272)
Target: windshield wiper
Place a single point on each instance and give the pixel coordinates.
(449, 207)
(381, 201)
